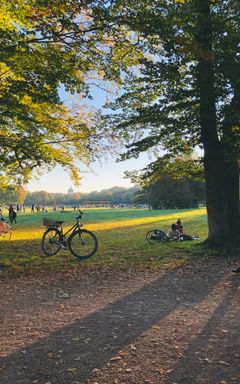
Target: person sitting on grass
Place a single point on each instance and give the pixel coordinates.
(177, 232)
(183, 235)
(179, 226)
(174, 233)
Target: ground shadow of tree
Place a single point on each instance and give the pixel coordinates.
(222, 362)
(90, 342)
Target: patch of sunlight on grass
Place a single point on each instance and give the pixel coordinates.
(121, 237)
(37, 232)
(146, 220)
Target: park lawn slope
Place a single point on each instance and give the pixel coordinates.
(121, 241)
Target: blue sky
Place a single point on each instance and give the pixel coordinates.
(104, 175)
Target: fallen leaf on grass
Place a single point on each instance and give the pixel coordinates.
(160, 370)
(95, 370)
(72, 370)
(209, 361)
(116, 358)
(132, 347)
(60, 294)
(223, 362)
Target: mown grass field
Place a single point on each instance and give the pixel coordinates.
(120, 232)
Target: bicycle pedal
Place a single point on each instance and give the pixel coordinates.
(63, 246)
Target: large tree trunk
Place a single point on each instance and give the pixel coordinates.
(232, 195)
(216, 202)
(231, 164)
(217, 207)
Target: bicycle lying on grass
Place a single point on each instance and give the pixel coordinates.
(158, 236)
(81, 243)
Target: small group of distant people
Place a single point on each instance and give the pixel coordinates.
(20, 208)
(177, 232)
(37, 208)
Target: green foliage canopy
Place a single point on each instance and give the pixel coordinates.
(45, 45)
(170, 193)
(160, 105)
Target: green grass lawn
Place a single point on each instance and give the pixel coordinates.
(120, 232)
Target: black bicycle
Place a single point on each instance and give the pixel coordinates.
(82, 243)
(157, 236)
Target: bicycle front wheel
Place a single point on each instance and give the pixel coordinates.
(83, 244)
(156, 236)
(51, 241)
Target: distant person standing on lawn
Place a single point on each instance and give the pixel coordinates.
(12, 214)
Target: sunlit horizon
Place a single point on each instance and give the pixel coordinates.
(107, 175)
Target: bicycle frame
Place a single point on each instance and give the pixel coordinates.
(73, 229)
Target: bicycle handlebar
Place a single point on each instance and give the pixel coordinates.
(80, 214)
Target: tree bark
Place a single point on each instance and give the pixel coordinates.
(231, 169)
(216, 202)
(231, 163)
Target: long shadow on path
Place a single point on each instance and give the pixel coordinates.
(214, 355)
(89, 343)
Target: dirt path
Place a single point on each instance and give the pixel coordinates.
(177, 326)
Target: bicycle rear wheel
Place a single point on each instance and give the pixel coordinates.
(83, 244)
(51, 241)
(156, 236)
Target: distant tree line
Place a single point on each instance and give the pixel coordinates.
(13, 195)
(170, 193)
(115, 195)
(166, 193)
